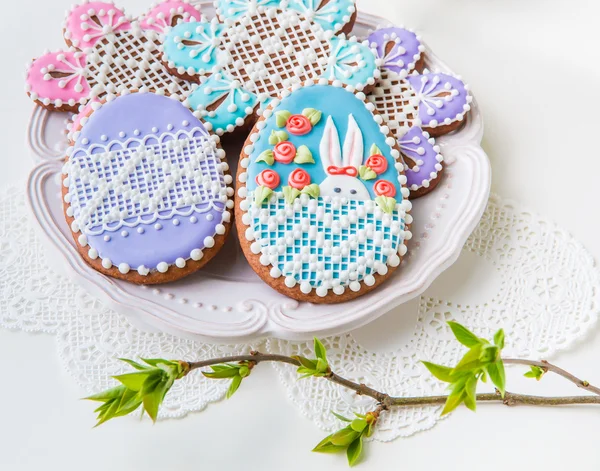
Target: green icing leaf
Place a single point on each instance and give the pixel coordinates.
(314, 116)
(304, 156)
(282, 117)
(262, 194)
(375, 150)
(267, 157)
(290, 194)
(387, 204)
(312, 190)
(277, 137)
(366, 173)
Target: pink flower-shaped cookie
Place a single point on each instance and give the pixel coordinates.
(108, 53)
(417, 104)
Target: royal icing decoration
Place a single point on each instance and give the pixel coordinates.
(319, 224)
(415, 105)
(262, 47)
(110, 53)
(146, 185)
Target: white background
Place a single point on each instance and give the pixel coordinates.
(533, 65)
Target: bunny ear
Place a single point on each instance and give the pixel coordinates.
(88, 23)
(58, 80)
(330, 147)
(443, 99)
(169, 13)
(353, 145)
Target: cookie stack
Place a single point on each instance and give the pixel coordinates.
(339, 136)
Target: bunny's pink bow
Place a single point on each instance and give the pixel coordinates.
(350, 171)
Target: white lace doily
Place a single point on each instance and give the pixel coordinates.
(532, 278)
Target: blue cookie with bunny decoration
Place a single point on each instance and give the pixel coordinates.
(322, 204)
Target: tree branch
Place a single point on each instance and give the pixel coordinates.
(544, 365)
(388, 401)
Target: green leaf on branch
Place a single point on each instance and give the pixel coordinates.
(443, 373)
(320, 351)
(499, 339)
(317, 367)
(148, 386)
(350, 438)
(535, 372)
(235, 372)
(341, 417)
(354, 451)
(464, 335)
(480, 361)
(498, 376)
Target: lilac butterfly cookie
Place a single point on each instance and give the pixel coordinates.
(418, 105)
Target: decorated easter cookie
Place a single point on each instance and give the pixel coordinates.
(109, 53)
(146, 189)
(322, 207)
(256, 48)
(416, 103)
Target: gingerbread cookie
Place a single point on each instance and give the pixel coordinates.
(321, 204)
(256, 48)
(417, 104)
(108, 53)
(146, 189)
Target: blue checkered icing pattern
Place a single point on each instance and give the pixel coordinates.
(326, 243)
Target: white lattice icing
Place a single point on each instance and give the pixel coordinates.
(124, 184)
(274, 50)
(130, 60)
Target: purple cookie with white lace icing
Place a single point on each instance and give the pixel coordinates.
(417, 104)
(146, 189)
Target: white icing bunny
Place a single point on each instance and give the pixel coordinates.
(342, 175)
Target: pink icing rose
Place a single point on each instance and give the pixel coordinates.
(269, 178)
(384, 188)
(299, 179)
(298, 125)
(284, 152)
(377, 163)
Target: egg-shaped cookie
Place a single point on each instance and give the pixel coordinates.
(146, 189)
(321, 202)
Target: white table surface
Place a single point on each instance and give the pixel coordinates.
(533, 67)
